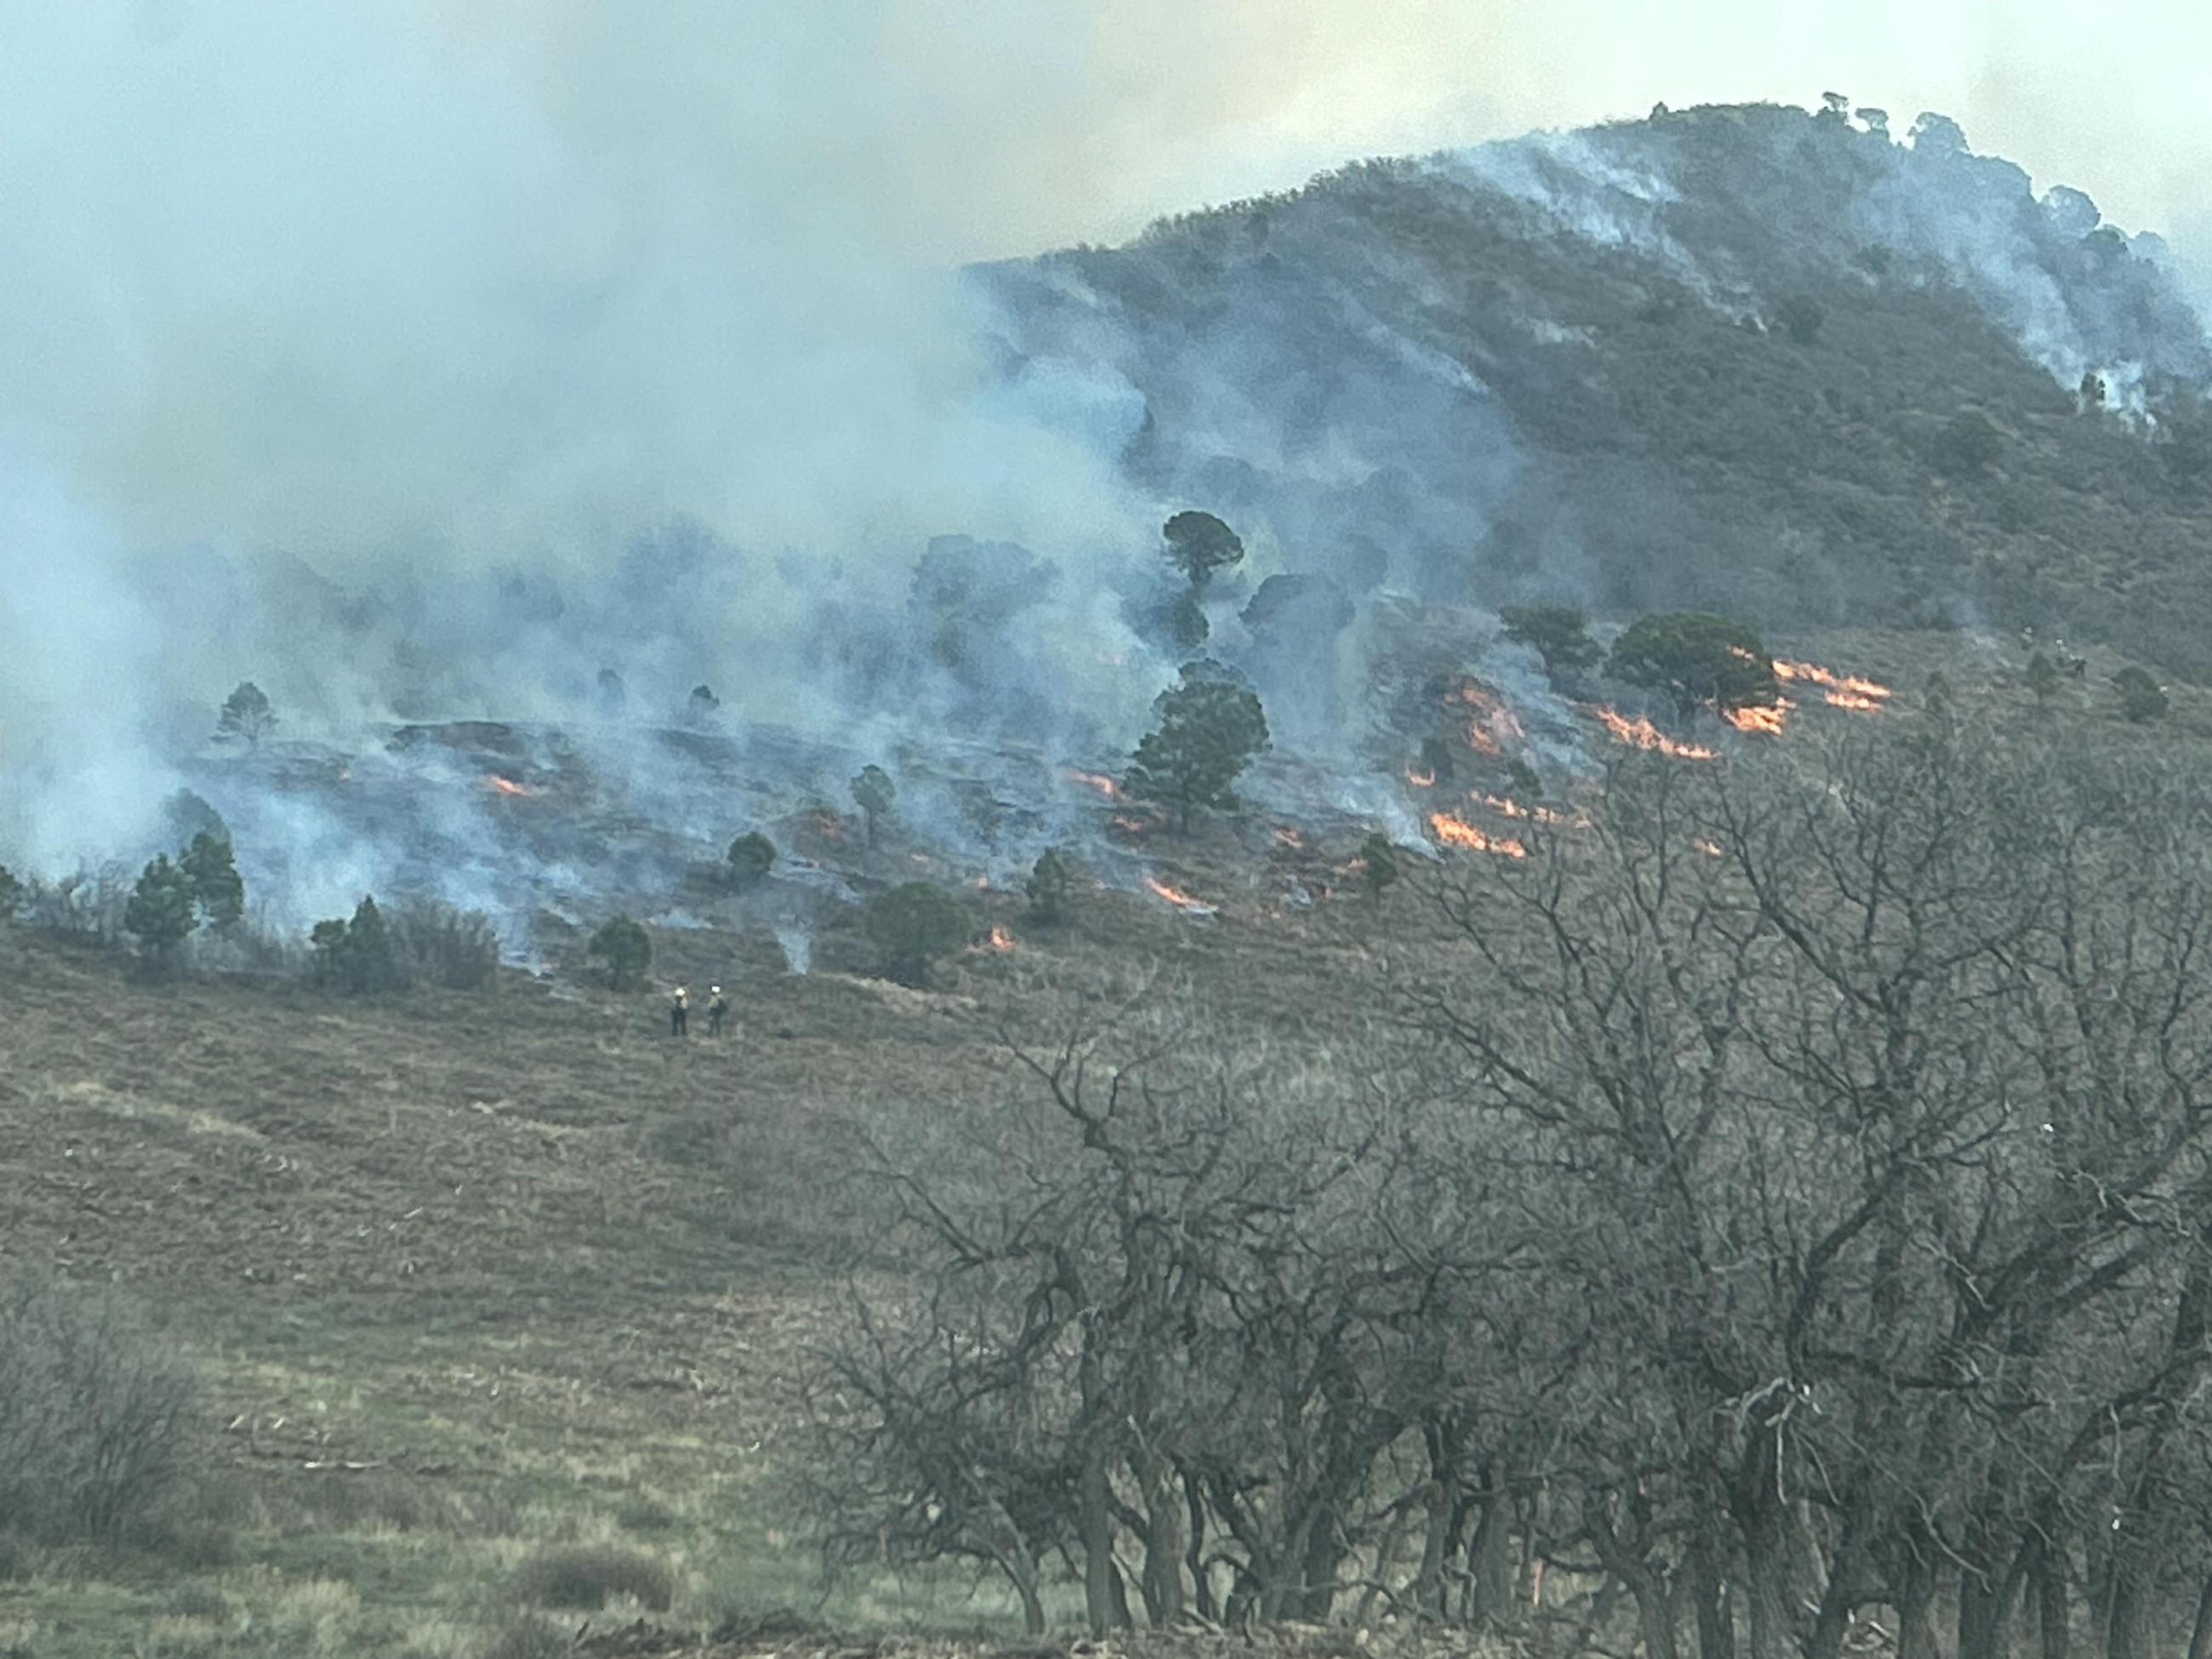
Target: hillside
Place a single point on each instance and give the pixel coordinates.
(1563, 367)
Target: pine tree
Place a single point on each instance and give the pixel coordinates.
(874, 791)
(217, 889)
(246, 716)
(160, 913)
(1210, 730)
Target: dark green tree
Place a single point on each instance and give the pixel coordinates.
(1051, 887)
(1210, 730)
(751, 856)
(913, 925)
(626, 949)
(160, 914)
(1378, 865)
(217, 888)
(1802, 315)
(1198, 545)
(357, 956)
(1560, 634)
(2141, 698)
(2042, 678)
(874, 791)
(1698, 659)
(11, 896)
(1968, 444)
(246, 716)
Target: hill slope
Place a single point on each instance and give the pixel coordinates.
(1561, 368)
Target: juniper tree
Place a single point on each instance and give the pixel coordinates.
(1698, 660)
(246, 716)
(913, 925)
(160, 913)
(626, 949)
(1198, 545)
(217, 889)
(750, 857)
(874, 791)
(1051, 886)
(1210, 730)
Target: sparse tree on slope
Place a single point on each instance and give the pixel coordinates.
(873, 792)
(751, 856)
(1558, 633)
(246, 716)
(1698, 660)
(209, 865)
(2042, 678)
(626, 949)
(1051, 887)
(160, 914)
(1198, 545)
(1210, 730)
(2141, 699)
(913, 925)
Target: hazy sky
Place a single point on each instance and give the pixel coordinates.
(497, 274)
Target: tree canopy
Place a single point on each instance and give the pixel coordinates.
(1210, 729)
(1698, 660)
(1198, 545)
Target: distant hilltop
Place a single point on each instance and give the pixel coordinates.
(1798, 366)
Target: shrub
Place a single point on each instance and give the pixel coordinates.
(1802, 315)
(2141, 698)
(912, 925)
(626, 949)
(96, 1416)
(1558, 633)
(1378, 864)
(751, 856)
(1051, 887)
(532, 1637)
(584, 1577)
(2042, 676)
(11, 895)
(457, 950)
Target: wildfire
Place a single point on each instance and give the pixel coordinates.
(1640, 733)
(1099, 781)
(1130, 824)
(1769, 722)
(1001, 940)
(1419, 778)
(1710, 849)
(500, 786)
(1491, 726)
(1842, 690)
(1182, 901)
(1506, 807)
(1288, 838)
(1452, 831)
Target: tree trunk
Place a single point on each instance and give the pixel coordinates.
(1201, 1583)
(2200, 1634)
(1767, 1592)
(2048, 1575)
(1716, 1617)
(1655, 1613)
(1163, 1545)
(1490, 1559)
(1097, 1526)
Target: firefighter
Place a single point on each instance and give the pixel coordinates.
(679, 1012)
(717, 1012)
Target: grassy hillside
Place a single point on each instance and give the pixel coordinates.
(472, 1277)
(1562, 369)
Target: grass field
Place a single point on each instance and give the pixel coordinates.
(474, 1277)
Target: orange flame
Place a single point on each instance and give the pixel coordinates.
(1857, 700)
(1130, 824)
(1493, 724)
(1182, 901)
(1001, 940)
(1769, 722)
(501, 785)
(1640, 733)
(1419, 778)
(1452, 831)
(1099, 781)
(1513, 809)
(1844, 690)
(1288, 838)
